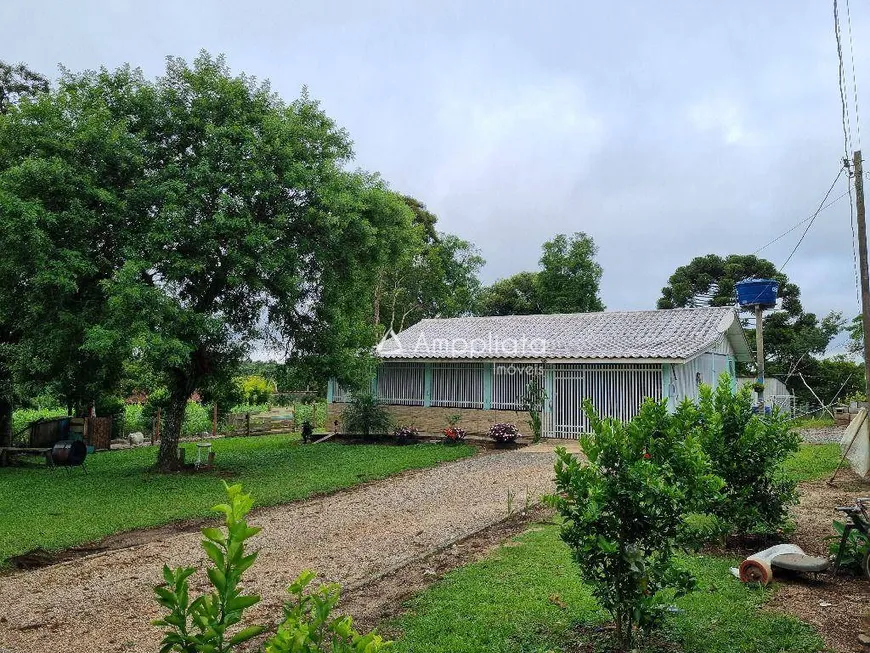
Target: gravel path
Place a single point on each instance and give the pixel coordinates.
(103, 603)
(824, 435)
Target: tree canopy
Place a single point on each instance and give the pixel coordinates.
(792, 337)
(568, 282)
(196, 218)
(434, 275)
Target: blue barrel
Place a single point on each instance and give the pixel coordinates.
(754, 292)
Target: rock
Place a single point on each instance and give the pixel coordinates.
(136, 438)
(864, 639)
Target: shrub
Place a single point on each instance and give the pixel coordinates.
(253, 409)
(855, 549)
(255, 389)
(309, 627)
(214, 622)
(534, 402)
(504, 432)
(366, 415)
(748, 452)
(133, 419)
(197, 418)
(406, 433)
(314, 412)
(624, 511)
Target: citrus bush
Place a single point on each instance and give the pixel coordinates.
(748, 451)
(214, 622)
(624, 510)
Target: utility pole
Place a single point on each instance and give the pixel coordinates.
(862, 261)
(759, 355)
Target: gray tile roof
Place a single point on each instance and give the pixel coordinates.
(678, 334)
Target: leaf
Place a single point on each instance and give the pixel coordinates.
(245, 634)
(214, 534)
(218, 579)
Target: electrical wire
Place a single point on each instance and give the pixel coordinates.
(854, 75)
(813, 219)
(841, 81)
(804, 221)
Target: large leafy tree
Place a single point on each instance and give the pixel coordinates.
(434, 275)
(67, 176)
(569, 277)
(188, 222)
(255, 237)
(568, 282)
(792, 337)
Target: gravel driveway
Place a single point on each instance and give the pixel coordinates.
(822, 435)
(104, 602)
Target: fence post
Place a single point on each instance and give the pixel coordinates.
(214, 421)
(157, 437)
(247, 424)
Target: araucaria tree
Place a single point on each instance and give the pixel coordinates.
(625, 510)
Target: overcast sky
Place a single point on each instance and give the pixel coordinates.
(665, 130)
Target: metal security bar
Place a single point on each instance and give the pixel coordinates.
(459, 385)
(401, 383)
(510, 382)
(615, 390)
(340, 395)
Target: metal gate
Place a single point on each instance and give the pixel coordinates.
(615, 389)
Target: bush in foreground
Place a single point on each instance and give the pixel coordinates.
(213, 623)
(748, 452)
(625, 511)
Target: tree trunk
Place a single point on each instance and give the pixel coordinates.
(5, 421)
(6, 406)
(167, 456)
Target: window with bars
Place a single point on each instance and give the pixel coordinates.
(459, 385)
(401, 383)
(510, 383)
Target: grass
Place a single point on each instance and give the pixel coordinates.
(814, 461)
(53, 510)
(528, 597)
(813, 422)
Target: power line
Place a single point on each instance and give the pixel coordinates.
(813, 218)
(854, 76)
(804, 221)
(841, 80)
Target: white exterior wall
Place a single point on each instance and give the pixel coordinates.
(684, 380)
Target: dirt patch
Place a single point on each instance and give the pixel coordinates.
(834, 606)
(372, 603)
(38, 558)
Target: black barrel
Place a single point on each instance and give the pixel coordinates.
(69, 453)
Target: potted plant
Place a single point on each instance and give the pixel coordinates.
(503, 433)
(453, 433)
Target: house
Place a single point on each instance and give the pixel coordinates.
(775, 393)
(481, 367)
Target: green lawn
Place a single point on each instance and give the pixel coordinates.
(41, 508)
(814, 461)
(527, 598)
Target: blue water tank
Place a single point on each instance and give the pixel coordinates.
(754, 292)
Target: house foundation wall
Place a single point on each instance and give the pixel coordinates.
(475, 421)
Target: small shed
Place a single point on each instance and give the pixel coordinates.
(775, 393)
(481, 367)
